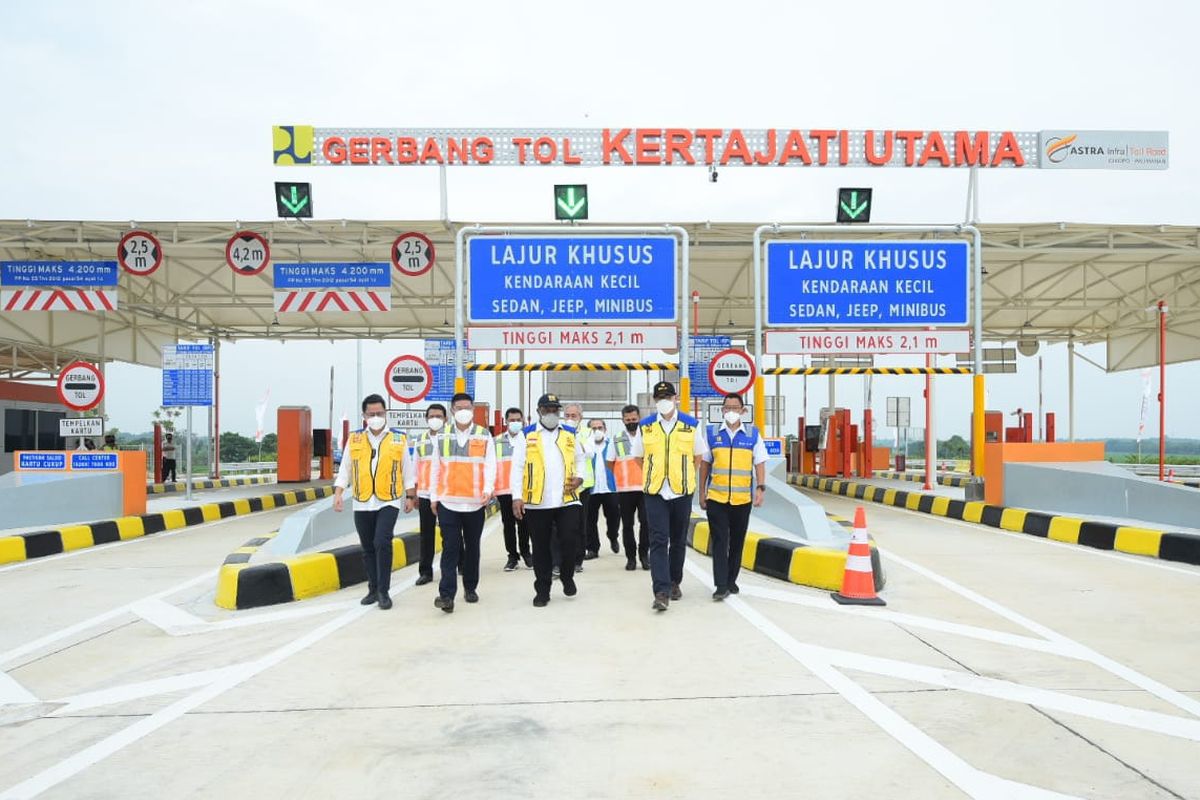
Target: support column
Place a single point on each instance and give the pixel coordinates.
(1071, 390)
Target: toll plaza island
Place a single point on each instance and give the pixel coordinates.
(585, 533)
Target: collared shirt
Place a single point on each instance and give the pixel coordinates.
(699, 448)
(406, 466)
(760, 449)
(599, 468)
(168, 449)
(552, 492)
(489, 468)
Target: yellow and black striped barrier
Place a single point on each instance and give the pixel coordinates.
(867, 371)
(206, 483)
(943, 478)
(558, 366)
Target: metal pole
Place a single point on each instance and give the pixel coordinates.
(760, 401)
(521, 386)
(445, 205)
(930, 450)
(1041, 412)
(460, 380)
(685, 382)
(1071, 390)
(358, 366)
(778, 416)
(499, 383)
(216, 408)
(1162, 389)
(188, 478)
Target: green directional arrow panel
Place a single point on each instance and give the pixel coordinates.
(854, 205)
(293, 199)
(570, 201)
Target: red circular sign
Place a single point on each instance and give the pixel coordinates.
(731, 372)
(408, 379)
(247, 253)
(80, 386)
(413, 254)
(139, 253)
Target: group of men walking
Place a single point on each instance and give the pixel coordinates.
(553, 480)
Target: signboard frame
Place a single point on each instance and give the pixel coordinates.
(243, 236)
(431, 251)
(732, 351)
(98, 273)
(387, 379)
(62, 388)
(156, 251)
(88, 427)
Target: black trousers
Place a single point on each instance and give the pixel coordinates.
(562, 525)
(461, 531)
(428, 526)
(634, 503)
(555, 549)
(169, 470)
(727, 536)
(612, 519)
(513, 528)
(668, 539)
(375, 532)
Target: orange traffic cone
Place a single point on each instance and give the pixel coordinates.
(858, 581)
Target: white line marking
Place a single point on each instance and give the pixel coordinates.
(12, 692)
(174, 621)
(135, 691)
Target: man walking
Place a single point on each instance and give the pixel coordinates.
(546, 465)
(513, 527)
(168, 452)
(669, 446)
(462, 480)
(573, 423)
(627, 473)
(376, 462)
(603, 496)
(733, 476)
(435, 420)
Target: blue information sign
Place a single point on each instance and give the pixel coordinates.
(703, 350)
(187, 375)
(572, 279)
(893, 283)
(333, 275)
(47, 461)
(439, 355)
(93, 461)
(774, 447)
(58, 273)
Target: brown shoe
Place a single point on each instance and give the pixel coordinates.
(676, 592)
(661, 601)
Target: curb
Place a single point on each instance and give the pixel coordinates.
(785, 560)
(39, 544)
(1165, 545)
(241, 586)
(223, 483)
(942, 479)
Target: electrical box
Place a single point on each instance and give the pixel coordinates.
(295, 433)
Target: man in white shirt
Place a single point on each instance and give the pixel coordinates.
(547, 469)
(435, 420)
(627, 471)
(462, 479)
(603, 495)
(168, 454)
(377, 463)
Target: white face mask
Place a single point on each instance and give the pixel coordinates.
(732, 417)
(376, 424)
(514, 427)
(463, 416)
(598, 435)
(665, 406)
(436, 423)
(550, 421)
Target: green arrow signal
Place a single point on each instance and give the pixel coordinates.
(855, 209)
(295, 204)
(571, 205)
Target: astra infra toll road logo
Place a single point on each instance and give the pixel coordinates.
(1059, 147)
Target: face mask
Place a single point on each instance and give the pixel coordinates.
(598, 435)
(550, 421)
(436, 423)
(463, 416)
(376, 424)
(665, 406)
(514, 428)
(631, 427)
(732, 417)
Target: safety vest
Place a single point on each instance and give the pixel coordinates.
(386, 481)
(731, 477)
(423, 455)
(504, 450)
(627, 469)
(670, 457)
(460, 474)
(533, 481)
(589, 471)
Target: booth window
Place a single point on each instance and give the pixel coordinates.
(47, 431)
(20, 429)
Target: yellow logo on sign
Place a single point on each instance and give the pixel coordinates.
(293, 144)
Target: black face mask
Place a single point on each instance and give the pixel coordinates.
(631, 426)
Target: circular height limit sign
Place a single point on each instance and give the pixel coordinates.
(413, 254)
(80, 386)
(139, 253)
(247, 253)
(408, 379)
(731, 372)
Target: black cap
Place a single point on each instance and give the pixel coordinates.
(664, 389)
(549, 401)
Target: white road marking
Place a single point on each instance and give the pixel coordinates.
(12, 692)
(135, 691)
(174, 621)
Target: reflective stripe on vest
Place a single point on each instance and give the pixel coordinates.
(386, 480)
(460, 474)
(669, 457)
(627, 469)
(423, 455)
(533, 481)
(731, 476)
(504, 451)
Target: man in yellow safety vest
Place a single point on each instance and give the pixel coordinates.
(435, 420)
(627, 474)
(377, 465)
(513, 528)
(733, 477)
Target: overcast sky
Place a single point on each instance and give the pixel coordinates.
(158, 111)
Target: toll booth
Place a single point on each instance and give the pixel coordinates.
(29, 416)
(839, 439)
(322, 439)
(295, 432)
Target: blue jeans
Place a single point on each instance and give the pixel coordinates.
(668, 523)
(460, 541)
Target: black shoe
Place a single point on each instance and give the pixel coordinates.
(569, 588)
(511, 564)
(733, 588)
(385, 602)
(590, 554)
(471, 596)
(676, 592)
(661, 602)
(646, 564)
(630, 566)
(720, 594)
(528, 561)
(423, 579)
(540, 601)
(554, 575)
(444, 603)
(616, 546)
(579, 567)
(371, 598)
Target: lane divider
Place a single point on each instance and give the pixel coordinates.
(39, 544)
(1165, 545)
(943, 479)
(223, 483)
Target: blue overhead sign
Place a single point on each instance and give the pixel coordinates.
(827, 284)
(572, 279)
(333, 275)
(58, 273)
(187, 375)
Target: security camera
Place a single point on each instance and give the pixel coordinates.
(712, 174)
